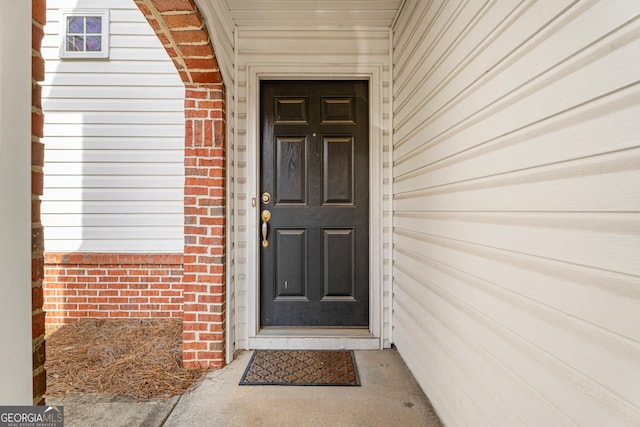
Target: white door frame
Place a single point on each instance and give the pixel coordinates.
(321, 339)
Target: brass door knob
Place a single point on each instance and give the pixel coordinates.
(265, 216)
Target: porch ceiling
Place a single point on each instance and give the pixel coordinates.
(312, 14)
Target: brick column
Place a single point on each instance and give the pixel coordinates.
(37, 238)
(204, 215)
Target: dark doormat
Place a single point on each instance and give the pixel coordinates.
(301, 367)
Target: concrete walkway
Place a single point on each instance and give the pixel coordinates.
(389, 396)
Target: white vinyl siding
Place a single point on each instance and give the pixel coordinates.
(516, 199)
(304, 52)
(114, 140)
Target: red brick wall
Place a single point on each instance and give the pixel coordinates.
(37, 238)
(204, 204)
(111, 285)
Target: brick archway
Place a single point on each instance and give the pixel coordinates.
(181, 30)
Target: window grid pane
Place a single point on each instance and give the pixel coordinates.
(75, 43)
(75, 24)
(94, 24)
(94, 43)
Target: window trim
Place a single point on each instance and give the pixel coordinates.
(68, 54)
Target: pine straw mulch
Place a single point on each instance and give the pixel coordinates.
(136, 358)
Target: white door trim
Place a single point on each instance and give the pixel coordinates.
(373, 74)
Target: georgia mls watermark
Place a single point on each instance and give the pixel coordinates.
(31, 416)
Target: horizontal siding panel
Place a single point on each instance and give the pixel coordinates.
(133, 28)
(90, 4)
(115, 118)
(113, 220)
(112, 67)
(588, 186)
(304, 47)
(150, 143)
(107, 194)
(114, 181)
(310, 41)
(124, 130)
(123, 169)
(132, 207)
(136, 40)
(125, 14)
(251, 5)
(158, 94)
(595, 240)
(309, 59)
(65, 105)
(155, 81)
(313, 18)
(310, 56)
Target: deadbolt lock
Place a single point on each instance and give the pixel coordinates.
(266, 198)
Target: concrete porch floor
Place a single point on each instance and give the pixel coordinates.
(389, 395)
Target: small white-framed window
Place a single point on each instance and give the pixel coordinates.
(85, 33)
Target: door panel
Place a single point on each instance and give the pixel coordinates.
(337, 170)
(338, 258)
(291, 264)
(291, 182)
(314, 270)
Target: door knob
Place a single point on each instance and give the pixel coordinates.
(266, 216)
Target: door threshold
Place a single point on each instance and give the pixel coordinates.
(314, 339)
(313, 332)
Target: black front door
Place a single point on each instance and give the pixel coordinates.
(314, 182)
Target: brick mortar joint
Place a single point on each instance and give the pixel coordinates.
(37, 24)
(36, 53)
(166, 31)
(200, 43)
(177, 12)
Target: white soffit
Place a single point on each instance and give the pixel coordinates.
(313, 14)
